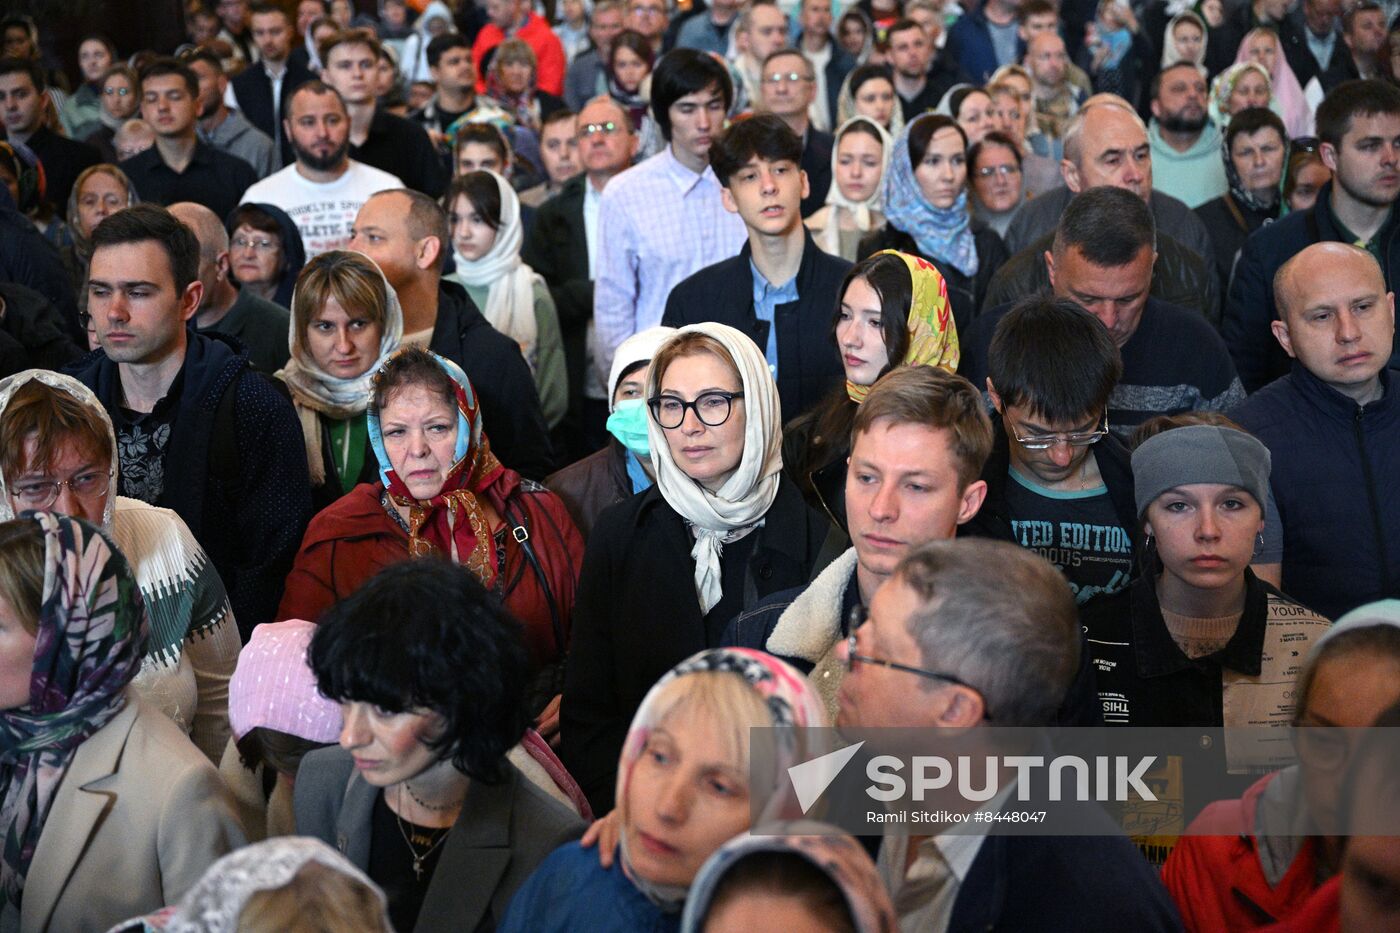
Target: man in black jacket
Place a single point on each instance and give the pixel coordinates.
(261, 88)
(1309, 31)
(198, 431)
(22, 100)
(33, 333)
(561, 247)
(1058, 481)
(406, 234)
(781, 289)
(830, 62)
(1358, 124)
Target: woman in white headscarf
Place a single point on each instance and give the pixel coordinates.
(853, 202)
(346, 320)
(487, 234)
(1185, 40)
(667, 570)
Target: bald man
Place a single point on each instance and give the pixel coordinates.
(1333, 427)
(257, 323)
(1106, 144)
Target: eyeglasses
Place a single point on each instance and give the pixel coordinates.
(712, 408)
(790, 77)
(41, 495)
(649, 10)
(260, 245)
(857, 617)
(118, 91)
(1046, 441)
(1010, 168)
(593, 129)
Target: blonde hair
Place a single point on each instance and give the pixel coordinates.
(726, 699)
(514, 51)
(22, 570)
(318, 899)
(691, 343)
(350, 278)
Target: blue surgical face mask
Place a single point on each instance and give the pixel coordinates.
(628, 423)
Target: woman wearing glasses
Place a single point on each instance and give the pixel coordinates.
(926, 194)
(1199, 640)
(998, 188)
(667, 570)
(62, 457)
(119, 103)
(1251, 845)
(265, 251)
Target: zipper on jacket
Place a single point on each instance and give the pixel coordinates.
(1371, 499)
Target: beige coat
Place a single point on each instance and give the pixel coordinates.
(139, 817)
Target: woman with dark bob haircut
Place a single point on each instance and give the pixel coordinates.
(420, 794)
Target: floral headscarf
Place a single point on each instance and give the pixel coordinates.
(792, 704)
(217, 900)
(1245, 196)
(837, 855)
(81, 245)
(942, 233)
(933, 336)
(451, 523)
(89, 645)
(1224, 86)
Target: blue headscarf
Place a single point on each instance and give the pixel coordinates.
(944, 234)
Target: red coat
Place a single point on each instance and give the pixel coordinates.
(549, 53)
(1218, 882)
(354, 538)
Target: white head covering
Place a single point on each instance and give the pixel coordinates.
(746, 496)
(1380, 612)
(12, 384)
(1170, 54)
(317, 392)
(510, 303)
(214, 904)
(639, 348)
(862, 212)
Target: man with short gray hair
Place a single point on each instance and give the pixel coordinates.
(986, 632)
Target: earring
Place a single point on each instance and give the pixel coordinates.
(1259, 544)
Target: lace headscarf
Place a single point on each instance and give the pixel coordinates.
(1224, 86)
(792, 705)
(743, 500)
(82, 248)
(316, 392)
(451, 523)
(90, 641)
(941, 233)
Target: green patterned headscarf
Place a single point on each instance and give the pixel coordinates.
(89, 644)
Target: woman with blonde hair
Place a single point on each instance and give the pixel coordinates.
(346, 320)
(1239, 87)
(512, 83)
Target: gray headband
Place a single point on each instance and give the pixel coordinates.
(1201, 453)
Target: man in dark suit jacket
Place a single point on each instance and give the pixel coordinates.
(22, 96)
(559, 248)
(789, 87)
(1017, 605)
(260, 88)
(781, 288)
(823, 51)
(1319, 20)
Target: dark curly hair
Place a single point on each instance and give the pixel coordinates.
(425, 634)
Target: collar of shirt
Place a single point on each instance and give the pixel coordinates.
(766, 293)
(684, 178)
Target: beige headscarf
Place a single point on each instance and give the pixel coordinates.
(863, 213)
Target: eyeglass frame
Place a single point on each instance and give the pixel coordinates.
(654, 406)
(857, 617)
(1040, 442)
(607, 128)
(789, 77)
(1006, 168)
(118, 91)
(259, 246)
(58, 484)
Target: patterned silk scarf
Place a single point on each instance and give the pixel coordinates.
(933, 337)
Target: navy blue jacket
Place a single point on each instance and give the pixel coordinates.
(1334, 469)
(1250, 306)
(970, 45)
(808, 365)
(250, 519)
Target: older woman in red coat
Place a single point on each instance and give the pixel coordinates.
(443, 493)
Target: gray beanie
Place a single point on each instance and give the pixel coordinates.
(1201, 453)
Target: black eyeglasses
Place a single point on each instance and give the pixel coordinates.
(712, 408)
(858, 617)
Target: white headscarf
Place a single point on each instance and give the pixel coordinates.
(862, 212)
(510, 303)
(1170, 55)
(747, 495)
(217, 900)
(316, 392)
(639, 348)
(12, 384)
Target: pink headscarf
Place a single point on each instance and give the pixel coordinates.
(1288, 93)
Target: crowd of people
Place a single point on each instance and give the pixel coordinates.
(434, 434)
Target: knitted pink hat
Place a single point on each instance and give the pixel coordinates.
(273, 686)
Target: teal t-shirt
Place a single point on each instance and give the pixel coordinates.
(1078, 532)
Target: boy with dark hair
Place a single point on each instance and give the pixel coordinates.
(1357, 123)
(664, 219)
(1058, 481)
(779, 289)
(189, 412)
